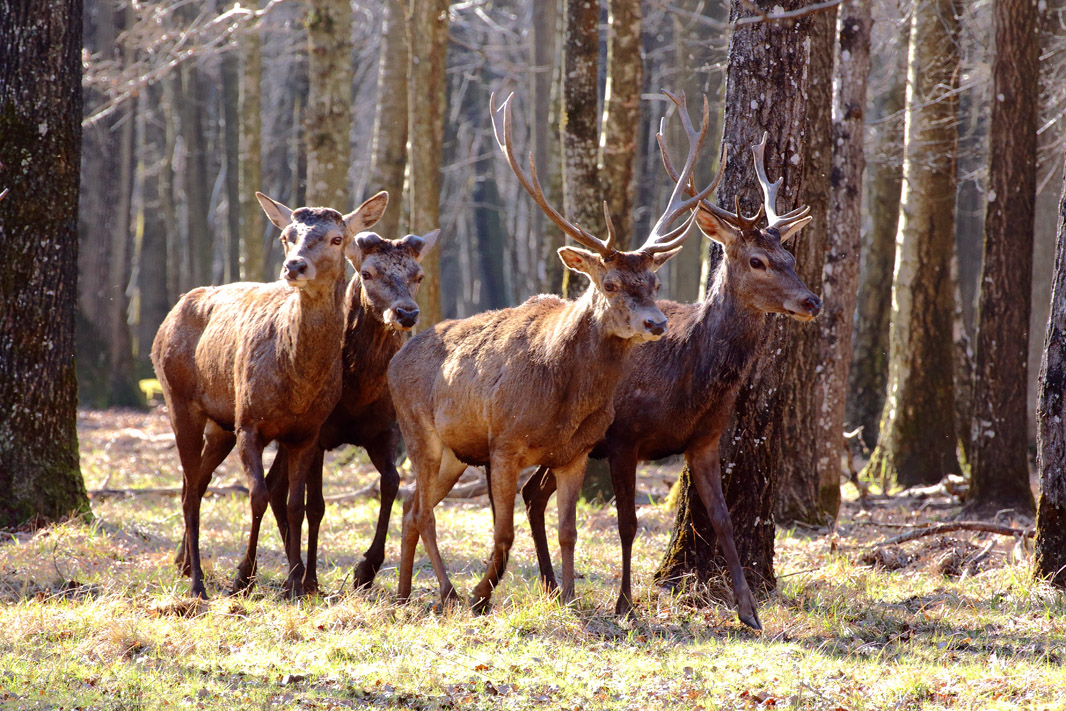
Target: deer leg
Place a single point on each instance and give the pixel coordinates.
(277, 482)
(568, 479)
(218, 443)
(536, 493)
(298, 464)
(382, 452)
(706, 467)
(188, 425)
(624, 480)
(428, 498)
(316, 509)
(503, 482)
(250, 447)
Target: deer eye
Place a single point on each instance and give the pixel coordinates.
(367, 276)
(418, 279)
(610, 287)
(756, 263)
(338, 239)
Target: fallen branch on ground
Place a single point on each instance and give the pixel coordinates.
(164, 491)
(935, 529)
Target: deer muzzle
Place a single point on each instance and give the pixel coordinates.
(297, 271)
(402, 317)
(804, 308)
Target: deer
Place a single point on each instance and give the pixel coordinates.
(380, 310)
(679, 394)
(532, 384)
(245, 364)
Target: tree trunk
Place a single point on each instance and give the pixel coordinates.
(250, 165)
(621, 114)
(545, 139)
(1050, 434)
(1000, 466)
(766, 90)
(389, 153)
(151, 233)
(199, 238)
(840, 276)
(328, 119)
(806, 492)
(917, 442)
(40, 149)
(868, 375)
(579, 121)
(427, 40)
(231, 263)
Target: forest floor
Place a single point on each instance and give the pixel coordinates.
(94, 615)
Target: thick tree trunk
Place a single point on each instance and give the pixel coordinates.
(1050, 433)
(250, 165)
(328, 119)
(231, 263)
(868, 374)
(389, 152)
(192, 178)
(151, 233)
(427, 41)
(766, 90)
(545, 136)
(803, 493)
(917, 441)
(579, 122)
(1000, 466)
(840, 276)
(621, 114)
(40, 86)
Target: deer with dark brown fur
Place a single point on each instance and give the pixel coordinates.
(380, 310)
(246, 364)
(529, 385)
(679, 394)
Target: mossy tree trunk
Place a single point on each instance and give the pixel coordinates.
(427, 42)
(1000, 466)
(388, 159)
(1050, 432)
(916, 444)
(766, 90)
(328, 118)
(868, 374)
(40, 133)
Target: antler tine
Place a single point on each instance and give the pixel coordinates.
(661, 239)
(612, 236)
(501, 127)
(769, 190)
(730, 217)
(3, 194)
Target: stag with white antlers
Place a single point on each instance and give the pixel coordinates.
(529, 385)
(679, 394)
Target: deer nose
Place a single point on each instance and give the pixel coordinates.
(813, 304)
(407, 317)
(657, 328)
(296, 266)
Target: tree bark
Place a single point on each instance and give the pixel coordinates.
(917, 441)
(389, 152)
(427, 41)
(192, 178)
(544, 136)
(840, 276)
(1000, 466)
(40, 149)
(250, 166)
(806, 492)
(766, 90)
(1050, 561)
(328, 118)
(868, 374)
(230, 70)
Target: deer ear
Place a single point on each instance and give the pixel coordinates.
(360, 245)
(367, 214)
(421, 245)
(582, 260)
(660, 258)
(714, 228)
(280, 215)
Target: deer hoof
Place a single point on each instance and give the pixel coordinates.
(310, 585)
(624, 609)
(364, 574)
(480, 605)
(198, 590)
(751, 620)
(293, 589)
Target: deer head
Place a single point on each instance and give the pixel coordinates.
(761, 270)
(317, 239)
(624, 283)
(389, 275)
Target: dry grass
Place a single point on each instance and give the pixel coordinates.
(95, 616)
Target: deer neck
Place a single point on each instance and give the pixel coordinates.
(369, 343)
(582, 330)
(310, 326)
(731, 329)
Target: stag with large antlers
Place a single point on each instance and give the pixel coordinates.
(679, 394)
(529, 385)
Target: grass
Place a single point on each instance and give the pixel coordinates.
(93, 615)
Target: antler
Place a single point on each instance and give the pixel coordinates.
(660, 240)
(501, 126)
(791, 221)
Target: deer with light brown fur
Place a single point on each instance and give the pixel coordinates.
(529, 385)
(246, 364)
(679, 395)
